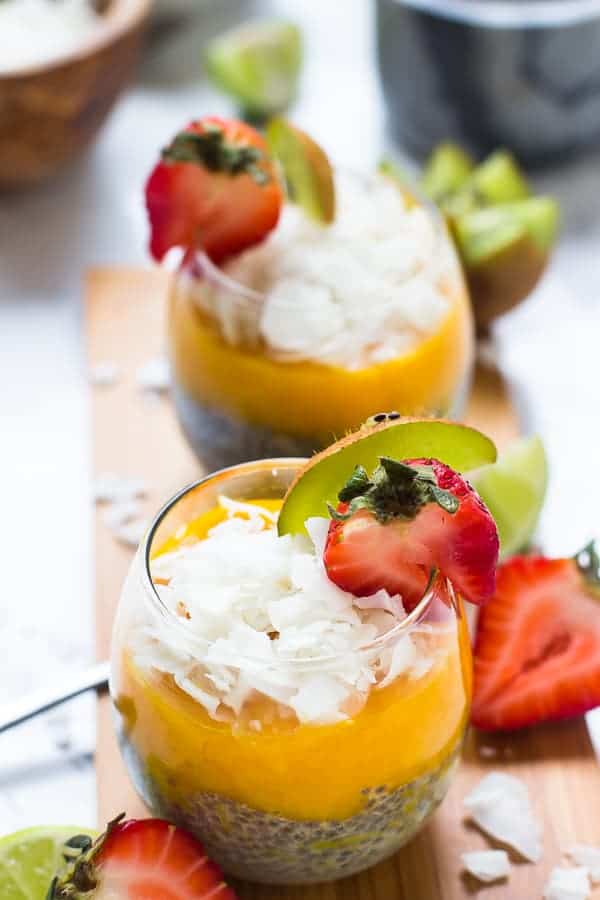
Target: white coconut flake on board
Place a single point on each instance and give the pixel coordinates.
(587, 856)
(259, 611)
(130, 533)
(309, 281)
(154, 376)
(567, 884)
(108, 487)
(500, 806)
(104, 374)
(121, 512)
(487, 865)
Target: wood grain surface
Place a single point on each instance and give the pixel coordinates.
(138, 436)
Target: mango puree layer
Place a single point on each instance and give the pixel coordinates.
(308, 399)
(300, 771)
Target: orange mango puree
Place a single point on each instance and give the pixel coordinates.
(408, 729)
(309, 399)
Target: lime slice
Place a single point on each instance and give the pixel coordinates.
(258, 65)
(513, 489)
(30, 859)
(306, 167)
(325, 474)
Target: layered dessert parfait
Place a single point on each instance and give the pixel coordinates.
(291, 697)
(290, 321)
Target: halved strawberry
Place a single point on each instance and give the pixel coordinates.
(408, 518)
(215, 188)
(145, 859)
(537, 649)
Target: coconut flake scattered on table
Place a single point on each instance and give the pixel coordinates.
(104, 374)
(360, 291)
(500, 806)
(487, 865)
(108, 487)
(258, 607)
(587, 856)
(154, 376)
(34, 32)
(567, 884)
(122, 515)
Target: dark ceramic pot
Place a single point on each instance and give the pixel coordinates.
(489, 73)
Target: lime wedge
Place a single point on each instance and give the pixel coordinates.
(325, 474)
(258, 64)
(306, 167)
(513, 488)
(30, 859)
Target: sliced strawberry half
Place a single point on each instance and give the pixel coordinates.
(216, 188)
(393, 528)
(537, 648)
(145, 859)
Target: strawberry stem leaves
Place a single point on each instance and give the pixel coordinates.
(395, 490)
(210, 149)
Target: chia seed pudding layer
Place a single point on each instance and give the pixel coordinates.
(220, 440)
(264, 847)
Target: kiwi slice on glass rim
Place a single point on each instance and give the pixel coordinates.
(306, 168)
(385, 434)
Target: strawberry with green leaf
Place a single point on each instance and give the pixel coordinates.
(393, 527)
(215, 189)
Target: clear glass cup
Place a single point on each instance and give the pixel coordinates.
(237, 399)
(274, 800)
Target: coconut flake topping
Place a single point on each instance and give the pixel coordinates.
(258, 609)
(500, 806)
(589, 857)
(567, 884)
(363, 290)
(487, 865)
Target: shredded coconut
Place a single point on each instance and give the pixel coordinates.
(567, 884)
(104, 374)
(111, 488)
(33, 32)
(589, 857)
(362, 290)
(154, 376)
(487, 865)
(258, 609)
(500, 806)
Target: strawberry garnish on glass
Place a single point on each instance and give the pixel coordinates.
(537, 648)
(145, 859)
(215, 189)
(393, 528)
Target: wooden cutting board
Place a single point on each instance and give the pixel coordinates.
(136, 435)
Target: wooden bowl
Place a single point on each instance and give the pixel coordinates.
(51, 112)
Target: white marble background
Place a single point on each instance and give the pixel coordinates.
(93, 215)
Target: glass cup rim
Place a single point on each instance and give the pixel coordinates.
(197, 262)
(168, 617)
(508, 13)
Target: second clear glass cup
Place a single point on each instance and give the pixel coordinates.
(272, 798)
(251, 384)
